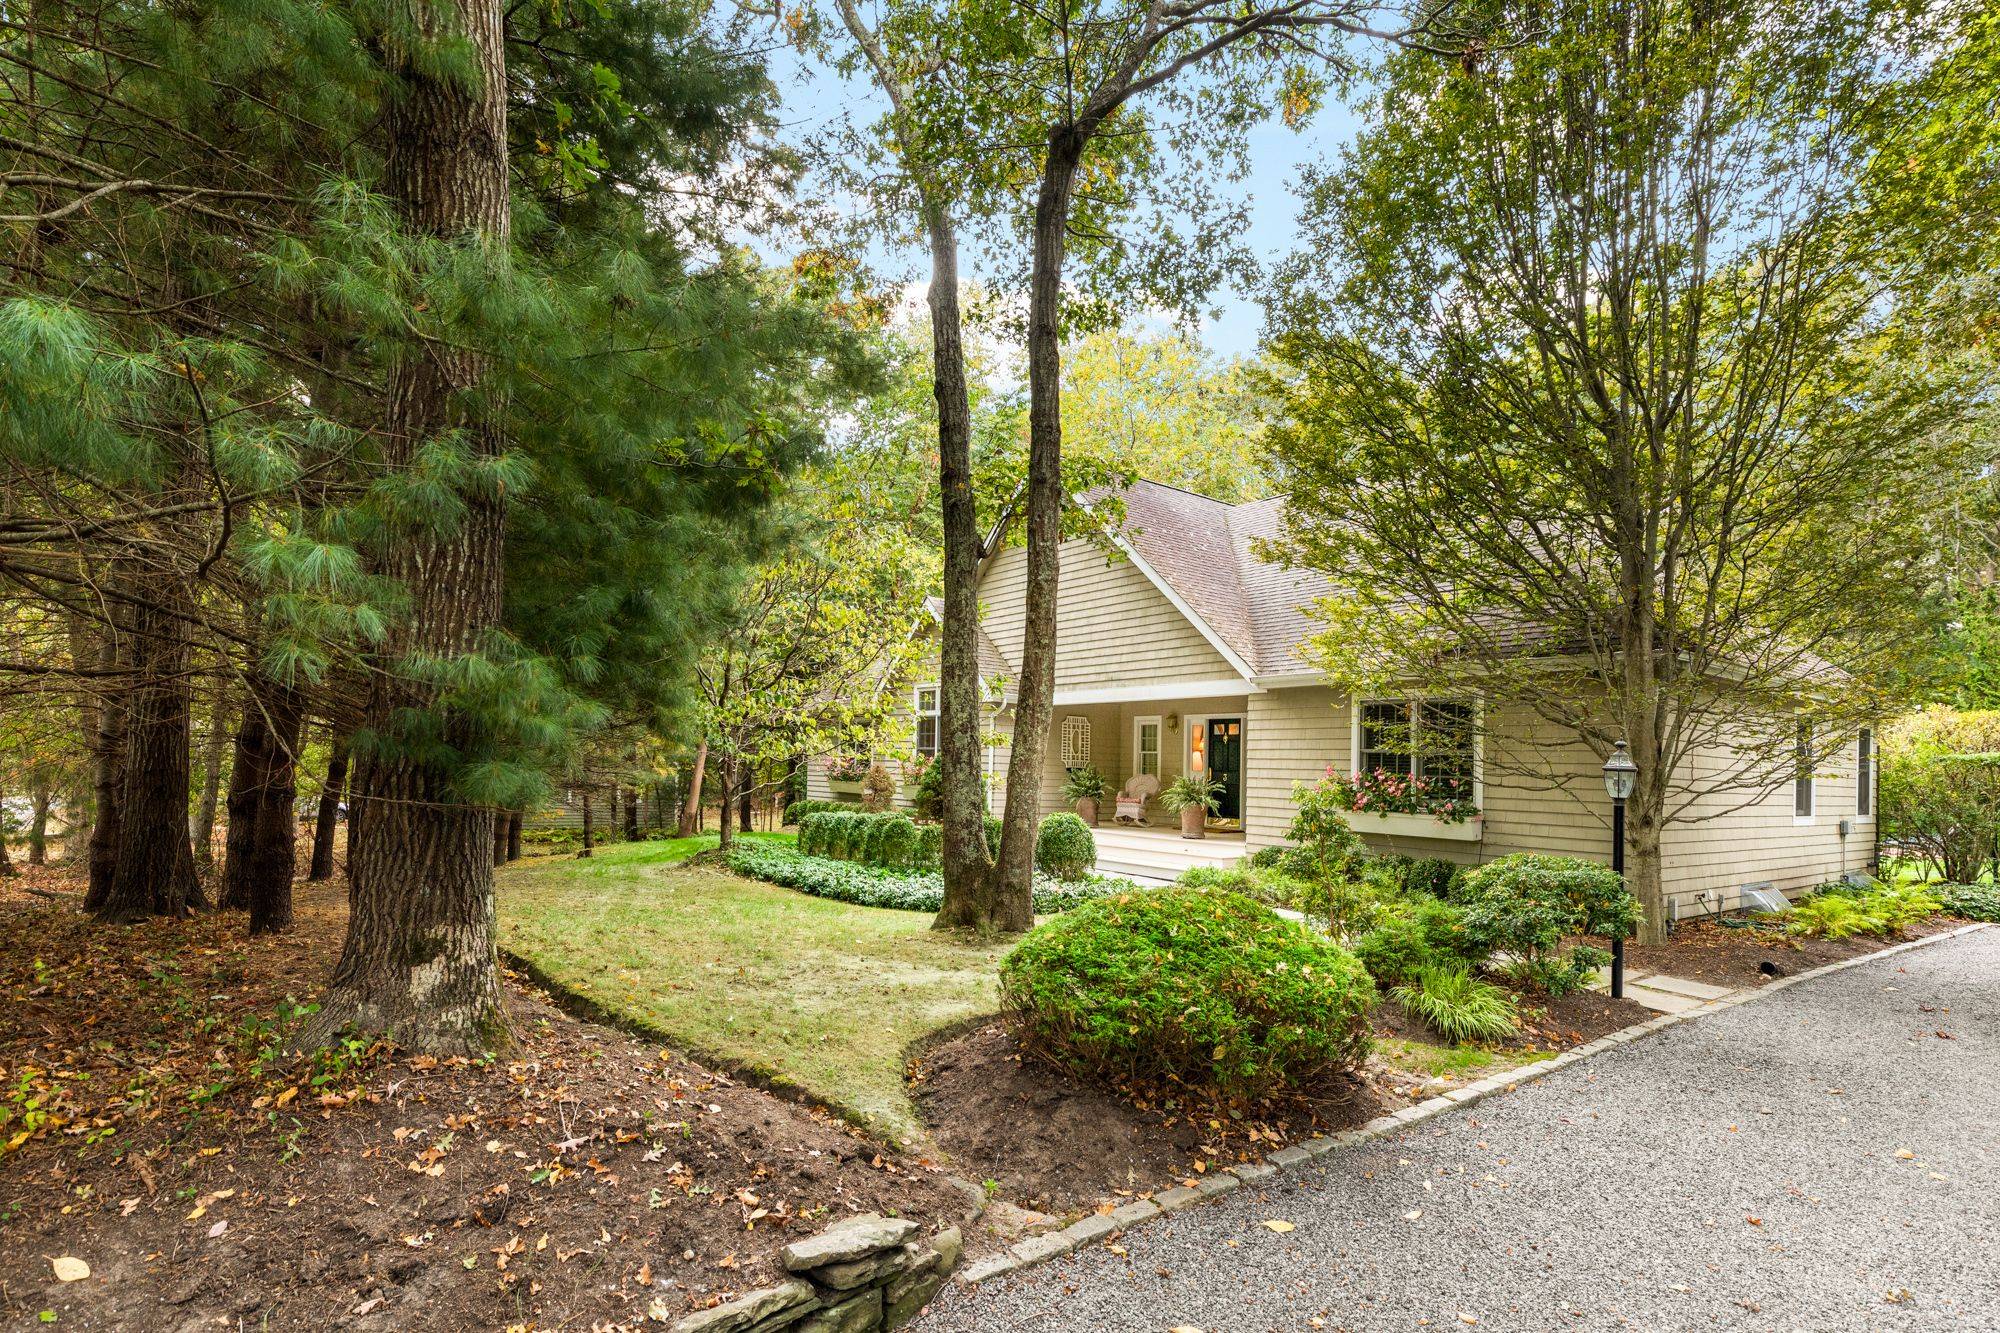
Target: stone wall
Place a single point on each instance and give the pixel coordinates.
(862, 1273)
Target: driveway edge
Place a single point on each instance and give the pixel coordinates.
(1040, 1249)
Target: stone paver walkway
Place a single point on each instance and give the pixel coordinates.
(1826, 1157)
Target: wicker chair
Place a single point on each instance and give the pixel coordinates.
(1132, 799)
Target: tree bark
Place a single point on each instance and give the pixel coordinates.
(328, 820)
(38, 827)
(589, 840)
(420, 959)
(617, 822)
(632, 812)
(261, 853)
(499, 838)
(6, 866)
(514, 836)
(80, 811)
(728, 802)
(202, 828)
(691, 806)
(746, 813)
(152, 871)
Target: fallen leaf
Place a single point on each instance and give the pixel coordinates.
(218, 1228)
(1280, 1227)
(71, 1269)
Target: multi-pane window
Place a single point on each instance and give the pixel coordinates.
(1802, 772)
(1864, 773)
(1427, 738)
(1146, 747)
(927, 719)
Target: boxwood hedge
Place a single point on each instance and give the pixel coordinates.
(909, 890)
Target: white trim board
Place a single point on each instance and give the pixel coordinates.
(1156, 693)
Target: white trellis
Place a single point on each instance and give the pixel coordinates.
(1075, 742)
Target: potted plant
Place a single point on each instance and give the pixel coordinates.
(1084, 788)
(1194, 796)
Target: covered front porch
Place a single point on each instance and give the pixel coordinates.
(1158, 855)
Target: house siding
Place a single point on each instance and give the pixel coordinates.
(1113, 626)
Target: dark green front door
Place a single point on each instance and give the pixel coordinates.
(1225, 764)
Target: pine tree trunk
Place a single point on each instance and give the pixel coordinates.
(514, 836)
(38, 828)
(248, 765)
(631, 814)
(202, 828)
(968, 871)
(262, 849)
(691, 810)
(152, 871)
(499, 838)
(80, 811)
(728, 802)
(617, 820)
(589, 831)
(420, 958)
(328, 820)
(108, 765)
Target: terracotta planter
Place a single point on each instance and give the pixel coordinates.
(1086, 810)
(1194, 822)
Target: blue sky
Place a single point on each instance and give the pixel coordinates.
(813, 96)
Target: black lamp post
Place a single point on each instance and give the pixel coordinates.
(1621, 775)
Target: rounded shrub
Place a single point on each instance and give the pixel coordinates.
(1417, 933)
(1197, 985)
(1528, 904)
(895, 842)
(928, 854)
(1065, 846)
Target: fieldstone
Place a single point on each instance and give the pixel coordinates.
(788, 1299)
(861, 1272)
(950, 1247)
(856, 1314)
(906, 1297)
(847, 1240)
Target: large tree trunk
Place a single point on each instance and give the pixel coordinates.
(38, 827)
(691, 806)
(108, 764)
(202, 827)
(262, 851)
(420, 959)
(152, 871)
(328, 821)
(969, 880)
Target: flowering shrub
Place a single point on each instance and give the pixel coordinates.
(1382, 792)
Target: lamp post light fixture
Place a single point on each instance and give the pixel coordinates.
(1621, 775)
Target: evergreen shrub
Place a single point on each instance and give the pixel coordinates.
(1065, 846)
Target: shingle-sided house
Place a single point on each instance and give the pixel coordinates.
(1179, 648)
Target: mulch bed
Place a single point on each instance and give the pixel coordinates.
(1733, 956)
(1061, 1144)
(585, 1179)
(1546, 1024)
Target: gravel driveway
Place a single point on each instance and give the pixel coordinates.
(1827, 1157)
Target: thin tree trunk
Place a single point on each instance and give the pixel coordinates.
(691, 809)
(80, 810)
(262, 849)
(617, 823)
(331, 793)
(202, 827)
(727, 803)
(631, 814)
(589, 831)
(421, 959)
(152, 872)
(747, 807)
(6, 866)
(38, 827)
(514, 836)
(499, 837)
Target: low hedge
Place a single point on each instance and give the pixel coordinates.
(1198, 986)
(1065, 847)
(906, 890)
(798, 810)
(889, 838)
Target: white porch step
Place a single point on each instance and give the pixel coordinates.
(1158, 856)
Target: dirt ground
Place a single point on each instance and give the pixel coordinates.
(1734, 956)
(1060, 1144)
(153, 1130)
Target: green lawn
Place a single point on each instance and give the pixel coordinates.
(802, 990)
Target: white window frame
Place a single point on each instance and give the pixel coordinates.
(1865, 764)
(1159, 745)
(921, 714)
(1478, 702)
(1803, 783)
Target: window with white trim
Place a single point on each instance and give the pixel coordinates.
(1864, 773)
(1427, 738)
(1146, 746)
(926, 709)
(1802, 772)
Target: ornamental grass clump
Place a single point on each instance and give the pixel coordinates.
(1198, 986)
(1065, 846)
(1458, 1006)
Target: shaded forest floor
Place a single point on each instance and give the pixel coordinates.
(155, 1131)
